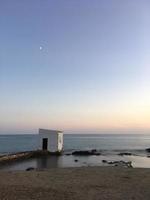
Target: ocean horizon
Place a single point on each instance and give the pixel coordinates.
(108, 145)
(12, 143)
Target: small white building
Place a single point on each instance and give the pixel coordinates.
(50, 140)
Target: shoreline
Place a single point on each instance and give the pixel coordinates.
(39, 160)
(90, 183)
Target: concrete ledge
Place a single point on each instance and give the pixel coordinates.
(25, 155)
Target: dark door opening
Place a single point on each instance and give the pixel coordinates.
(45, 143)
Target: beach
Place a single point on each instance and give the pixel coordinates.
(84, 183)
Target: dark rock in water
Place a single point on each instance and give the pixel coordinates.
(80, 153)
(75, 160)
(93, 150)
(124, 164)
(125, 154)
(148, 150)
(68, 154)
(129, 164)
(111, 162)
(97, 154)
(120, 163)
(30, 169)
(86, 153)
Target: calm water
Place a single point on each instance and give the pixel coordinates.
(109, 145)
(16, 143)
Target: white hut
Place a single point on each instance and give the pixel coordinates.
(50, 140)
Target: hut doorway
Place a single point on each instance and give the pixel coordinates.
(45, 143)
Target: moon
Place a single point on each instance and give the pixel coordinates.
(41, 48)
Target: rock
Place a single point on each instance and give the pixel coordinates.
(111, 162)
(104, 161)
(121, 163)
(86, 153)
(68, 154)
(125, 154)
(97, 154)
(148, 150)
(129, 164)
(80, 153)
(93, 150)
(30, 169)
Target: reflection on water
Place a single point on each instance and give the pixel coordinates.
(47, 162)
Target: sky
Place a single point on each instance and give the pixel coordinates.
(74, 65)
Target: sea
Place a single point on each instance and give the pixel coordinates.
(109, 145)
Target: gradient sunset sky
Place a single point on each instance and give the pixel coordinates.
(74, 65)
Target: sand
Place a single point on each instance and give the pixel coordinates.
(86, 183)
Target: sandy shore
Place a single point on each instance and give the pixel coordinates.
(86, 183)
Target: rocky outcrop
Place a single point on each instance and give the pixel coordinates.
(68, 154)
(120, 163)
(125, 154)
(25, 155)
(30, 169)
(86, 153)
(148, 150)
